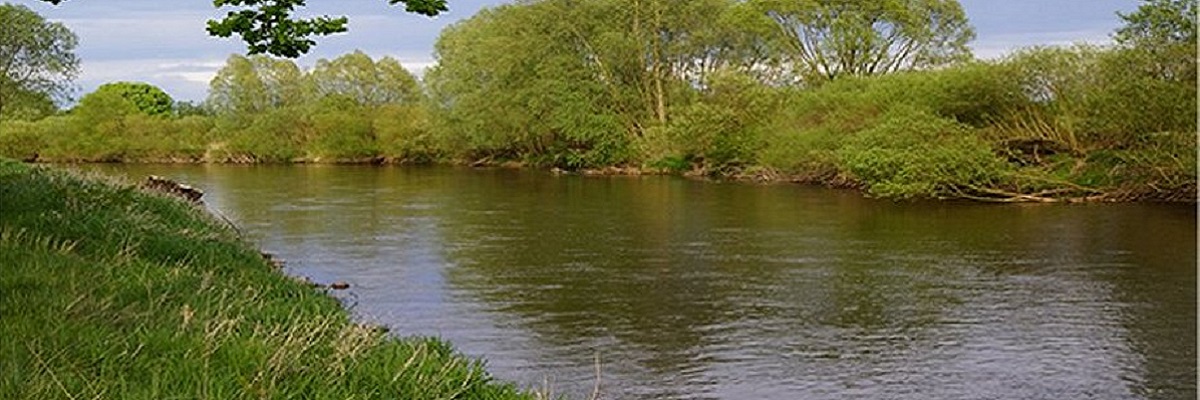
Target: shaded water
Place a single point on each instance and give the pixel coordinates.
(690, 289)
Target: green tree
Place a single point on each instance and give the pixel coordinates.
(1165, 30)
(144, 97)
(251, 85)
(586, 83)
(37, 58)
(367, 82)
(1159, 23)
(831, 38)
(271, 27)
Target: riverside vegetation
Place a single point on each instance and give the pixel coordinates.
(112, 292)
(880, 96)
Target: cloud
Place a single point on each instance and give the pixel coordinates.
(183, 79)
(998, 46)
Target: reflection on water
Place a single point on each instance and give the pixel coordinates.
(709, 290)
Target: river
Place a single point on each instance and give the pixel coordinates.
(683, 289)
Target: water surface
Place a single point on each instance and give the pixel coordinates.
(691, 290)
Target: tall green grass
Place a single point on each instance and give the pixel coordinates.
(110, 292)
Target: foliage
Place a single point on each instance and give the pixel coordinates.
(108, 291)
(721, 131)
(826, 39)
(145, 98)
(39, 60)
(246, 86)
(584, 84)
(1099, 98)
(403, 134)
(271, 27)
(911, 153)
(699, 87)
(28, 106)
(366, 82)
(1160, 23)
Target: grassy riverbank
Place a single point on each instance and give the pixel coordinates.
(110, 292)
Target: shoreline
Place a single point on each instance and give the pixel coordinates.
(1122, 193)
(112, 289)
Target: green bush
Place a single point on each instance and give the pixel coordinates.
(273, 136)
(914, 154)
(339, 135)
(404, 134)
(22, 139)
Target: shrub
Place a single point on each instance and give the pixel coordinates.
(272, 136)
(341, 135)
(912, 154)
(403, 134)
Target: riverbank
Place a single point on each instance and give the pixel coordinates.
(111, 292)
(1076, 124)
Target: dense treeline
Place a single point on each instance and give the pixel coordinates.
(880, 95)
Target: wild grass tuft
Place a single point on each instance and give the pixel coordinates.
(109, 292)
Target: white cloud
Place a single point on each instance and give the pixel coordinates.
(183, 79)
(998, 46)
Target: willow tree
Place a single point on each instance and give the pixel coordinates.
(367, 82)
(826, 39)
(511, 84)
(37, 58)
(577, 82)
(1165, 32)
(250, 85)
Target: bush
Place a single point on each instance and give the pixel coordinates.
(22, 139)
(1101, 98)
(403, 134)
(272, 136)
(341, 135)
(914, 154)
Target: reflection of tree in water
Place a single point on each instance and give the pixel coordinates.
(667, 270)
(1160, 291)
(683, 283)
(591, 264)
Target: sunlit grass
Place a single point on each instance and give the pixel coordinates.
(109, 292)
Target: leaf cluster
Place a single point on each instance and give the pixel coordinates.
(272, 27)
(37, 58)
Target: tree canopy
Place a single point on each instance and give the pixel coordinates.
(271, 26)
(1160, 22)
(37, 58)
(1165, 32)
(832, 38)
(144, 97)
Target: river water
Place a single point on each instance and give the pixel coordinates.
(692, 290)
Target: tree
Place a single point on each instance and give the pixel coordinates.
(832, 38)
(1160, 23)
(366, 82)
(251, 85)
(144, 97)
(575, 84)
(270, 26)
(37, 58)
(1164, 33)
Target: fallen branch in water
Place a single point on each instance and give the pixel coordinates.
(1046, 196)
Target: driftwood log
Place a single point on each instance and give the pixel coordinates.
(174, 188)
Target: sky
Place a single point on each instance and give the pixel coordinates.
(164, 42)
